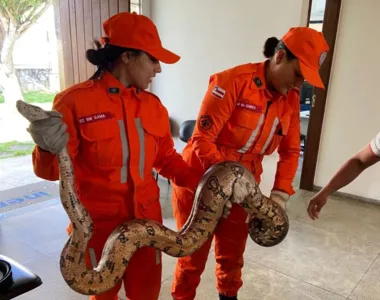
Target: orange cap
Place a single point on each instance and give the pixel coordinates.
(310, 47)
(131, 30)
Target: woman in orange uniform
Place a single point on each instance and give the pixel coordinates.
(248, 111)
(116, 133)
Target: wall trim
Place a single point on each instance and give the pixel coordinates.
(350, 196)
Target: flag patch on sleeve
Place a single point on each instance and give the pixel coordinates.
(218, 92)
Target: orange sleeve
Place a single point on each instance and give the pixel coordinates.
(217, 107)
(171, 165)
(45, 164)
(289, 152)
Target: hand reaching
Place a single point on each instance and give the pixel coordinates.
(315, 205)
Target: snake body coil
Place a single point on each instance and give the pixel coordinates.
(269, 223)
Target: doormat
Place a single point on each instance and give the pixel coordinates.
(28, 195)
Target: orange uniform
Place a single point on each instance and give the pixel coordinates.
(240, 120)
(117, 136)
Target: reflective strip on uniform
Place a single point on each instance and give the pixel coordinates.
(125, 150)
(253, 136)
(91, 252)
(273, 129)
(140, 131)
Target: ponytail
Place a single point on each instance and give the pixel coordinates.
(104, 57)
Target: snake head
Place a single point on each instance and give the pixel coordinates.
(34, 113)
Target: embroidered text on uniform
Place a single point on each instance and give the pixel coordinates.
(249, 106)
(95, 117)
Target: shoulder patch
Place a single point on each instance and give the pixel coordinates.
(257, 81)
(218, 92)
(113, 90)
(205, 122)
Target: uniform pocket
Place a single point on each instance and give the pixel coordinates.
(242, 129)
(101, 142)
(245, 119)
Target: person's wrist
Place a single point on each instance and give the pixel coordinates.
(280, 194)
(325, 192)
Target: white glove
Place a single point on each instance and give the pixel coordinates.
(281, 198)
(49, 134)
(238, 195)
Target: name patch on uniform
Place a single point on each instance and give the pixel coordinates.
(218, 92)
(95, 117)
(249, 106)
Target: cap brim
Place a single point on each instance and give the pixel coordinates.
(311, 76)
(165, 56)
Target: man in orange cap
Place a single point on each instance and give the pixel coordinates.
(116, 133)
(248, 111)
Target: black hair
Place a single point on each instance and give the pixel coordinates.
(104, 57)
(273, 45)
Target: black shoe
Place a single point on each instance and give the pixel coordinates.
(221, 297)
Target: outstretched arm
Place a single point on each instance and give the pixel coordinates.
(347, 173)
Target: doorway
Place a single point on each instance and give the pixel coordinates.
(323, 16)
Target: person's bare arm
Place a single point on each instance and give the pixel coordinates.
(351, 169)
(347, 173)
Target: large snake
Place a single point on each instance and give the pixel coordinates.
(268, 226)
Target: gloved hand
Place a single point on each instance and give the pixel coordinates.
(280, 198)
(49, 134)
(238, 195)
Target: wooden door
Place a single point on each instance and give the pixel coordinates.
(78, 23)
(330, 28)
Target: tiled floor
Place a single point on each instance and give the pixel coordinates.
(334, 258)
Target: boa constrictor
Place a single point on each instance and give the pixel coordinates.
(268, 226)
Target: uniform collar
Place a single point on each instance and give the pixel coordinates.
(258, 77)
(114, 88)
(258, 81)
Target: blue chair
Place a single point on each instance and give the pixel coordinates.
(186, 130)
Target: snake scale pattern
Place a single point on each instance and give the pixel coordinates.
(269, 223)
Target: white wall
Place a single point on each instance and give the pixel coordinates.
(211, 36)
(353, 103)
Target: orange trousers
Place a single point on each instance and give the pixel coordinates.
(142, 279)
(230, 238)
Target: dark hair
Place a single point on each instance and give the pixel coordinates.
(272, 45)
(104, 57)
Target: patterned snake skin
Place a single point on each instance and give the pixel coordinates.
(268, 227)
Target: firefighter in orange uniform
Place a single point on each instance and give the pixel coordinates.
(248, 111)
(116, 133)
